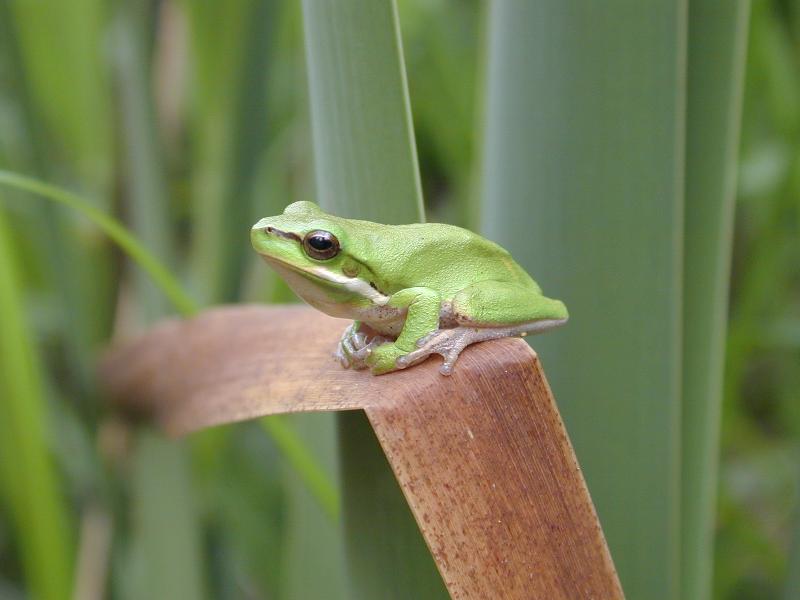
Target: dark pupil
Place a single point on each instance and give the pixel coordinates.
(320, 243)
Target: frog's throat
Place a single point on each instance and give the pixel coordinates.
(351, 284)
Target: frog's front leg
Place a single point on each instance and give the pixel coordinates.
(422, 317)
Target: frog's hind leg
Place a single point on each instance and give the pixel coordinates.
(450, 342)
(486, 311)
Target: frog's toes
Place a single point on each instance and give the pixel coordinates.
(358, 339)
(349, 347)
(447, 342)
(344, 353)
(354, 348)
(366, 349)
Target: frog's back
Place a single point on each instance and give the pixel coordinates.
(449, 258)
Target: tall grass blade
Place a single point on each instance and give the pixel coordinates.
(299, 457)
(366, 167)
(314, 541)
(29, 487)
(145, 180)
(245, 508)
(441, 65)
(61, 46)
(165, 557)
(113, 229)
(230, 42)
(364, 152)
(67, 140)
(717, 35)
(583, 183)
(166, 541)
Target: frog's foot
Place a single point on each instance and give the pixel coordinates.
(384, 358)
(450, 342)
(447, 342)
(355, 346)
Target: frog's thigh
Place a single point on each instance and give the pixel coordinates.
(494, 303)
(486, 311)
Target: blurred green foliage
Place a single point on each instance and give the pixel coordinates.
(189, 119)
(759, 480)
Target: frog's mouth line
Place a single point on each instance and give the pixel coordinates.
(323, 275)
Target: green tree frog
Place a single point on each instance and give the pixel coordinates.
(412, 290)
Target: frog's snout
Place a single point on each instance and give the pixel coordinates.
(264, 235)
(259, 234)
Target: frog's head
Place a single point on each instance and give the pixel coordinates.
(317, 254)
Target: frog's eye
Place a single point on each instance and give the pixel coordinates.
(321, 245)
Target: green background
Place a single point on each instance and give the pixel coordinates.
(641, 159)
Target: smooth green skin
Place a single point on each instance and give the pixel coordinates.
(400, 279)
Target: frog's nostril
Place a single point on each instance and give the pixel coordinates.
(268, 229)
